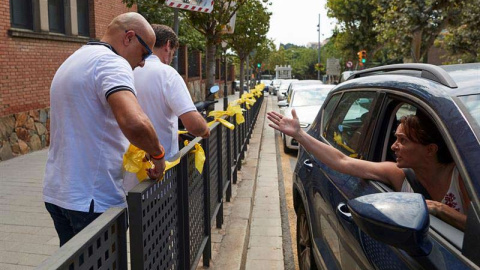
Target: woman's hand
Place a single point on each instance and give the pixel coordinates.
(287, 125)
(447, 214)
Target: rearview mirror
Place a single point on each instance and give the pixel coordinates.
(214, 89)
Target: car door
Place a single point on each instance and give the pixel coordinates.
(335, 239)
(448, 243)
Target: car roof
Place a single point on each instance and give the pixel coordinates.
(302, 82)
(466, 76)
(451, 80)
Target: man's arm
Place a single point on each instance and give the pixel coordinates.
(136, 126)
(195, 124)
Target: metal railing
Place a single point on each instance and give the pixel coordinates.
(169, 221)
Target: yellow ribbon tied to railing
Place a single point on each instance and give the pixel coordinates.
(248, 99)
(232, 109)
(134, 161)
(199, 156)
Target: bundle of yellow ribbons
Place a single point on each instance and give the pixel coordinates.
(134, 161)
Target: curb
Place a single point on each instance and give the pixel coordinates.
(230, 243)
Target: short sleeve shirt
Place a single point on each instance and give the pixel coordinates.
(164, 96)
(86, 143)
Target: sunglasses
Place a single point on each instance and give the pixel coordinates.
(149, 51)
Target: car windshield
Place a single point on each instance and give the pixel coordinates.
(312, 97)
(472, 103)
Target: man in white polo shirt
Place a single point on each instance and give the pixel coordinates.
(164, 97)
(94, 116)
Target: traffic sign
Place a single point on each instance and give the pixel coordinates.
(349, 64)
(205, 6)
(333, 66)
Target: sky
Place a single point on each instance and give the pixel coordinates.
(295, 21)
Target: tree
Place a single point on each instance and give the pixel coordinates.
(421, 22)
(253, 22)
(212, 27)
(356, 24)
(462, 39)
(155, 12)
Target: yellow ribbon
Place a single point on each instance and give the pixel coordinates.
(199, 156)
(223, 122)
(337, 137)
(232, 109)
(134, 161)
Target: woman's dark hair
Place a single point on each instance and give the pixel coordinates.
(420, 129)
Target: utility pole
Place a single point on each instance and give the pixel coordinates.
(318, 46)
(176, 25)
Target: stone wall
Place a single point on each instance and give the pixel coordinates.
(23, 133)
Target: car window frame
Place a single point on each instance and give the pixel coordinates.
(439, 230)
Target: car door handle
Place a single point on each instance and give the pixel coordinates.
(344, 212)
(308, 163)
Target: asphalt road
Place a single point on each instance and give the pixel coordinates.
(286, 166)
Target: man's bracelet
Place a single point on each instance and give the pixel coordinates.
(160, 156)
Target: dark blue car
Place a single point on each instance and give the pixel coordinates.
(344, 222)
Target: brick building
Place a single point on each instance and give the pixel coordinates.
(36, 36)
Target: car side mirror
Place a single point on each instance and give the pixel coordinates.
(398, 219)
(282, 103)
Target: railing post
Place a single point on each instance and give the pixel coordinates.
(220, 149)
(229, 149)
(183, 213)
(207, 251)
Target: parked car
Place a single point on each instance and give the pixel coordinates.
(307, 102)
(274, 86)
(282, 90)
(344, 222)
(346, 75)
(267, 84)
(298, 84)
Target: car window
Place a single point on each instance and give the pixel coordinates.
(349, 122)
(308, 98)
(472, 103)
(403, 110)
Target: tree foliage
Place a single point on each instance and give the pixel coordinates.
(462, 40)
(409, 27)
(251, 27)
(355, 30)
(156, 12)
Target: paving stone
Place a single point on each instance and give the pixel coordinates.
(264, 265)
(265, 241)
(262, 253)
(259, 230)
(5, 266)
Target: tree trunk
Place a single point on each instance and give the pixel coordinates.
(416, 45)
(242, 75)
(210, 65)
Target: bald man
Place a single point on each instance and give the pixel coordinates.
(94, 115)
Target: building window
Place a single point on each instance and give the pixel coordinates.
(56, 16)
(83, 18)
(21, 14)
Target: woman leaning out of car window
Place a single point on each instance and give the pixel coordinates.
(418, 146)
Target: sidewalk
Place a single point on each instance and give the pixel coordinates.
(250, 238)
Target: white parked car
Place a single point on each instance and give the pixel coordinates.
(306, 101)
(282, 90)
(274, 86)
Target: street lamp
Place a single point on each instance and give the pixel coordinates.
(225, 91)
(318, 45)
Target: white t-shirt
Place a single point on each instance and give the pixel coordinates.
(87, 145)
(163, 96)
